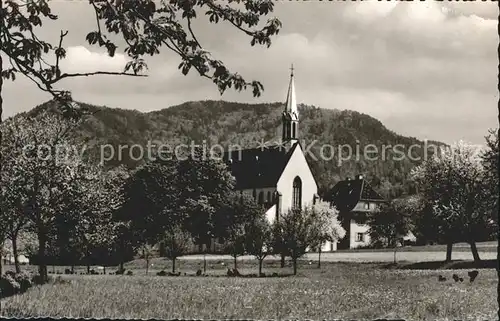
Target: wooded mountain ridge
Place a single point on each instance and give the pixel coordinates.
(230, 123)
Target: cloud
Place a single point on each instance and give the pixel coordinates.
(484, 9)
(80, 59)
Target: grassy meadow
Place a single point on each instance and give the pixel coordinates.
(336, 290)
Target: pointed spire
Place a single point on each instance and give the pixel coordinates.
(291, 100)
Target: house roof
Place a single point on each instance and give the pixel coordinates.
(346, 194)
(257, 167)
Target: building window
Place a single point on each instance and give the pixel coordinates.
(261, 198)
(360, 237)
(367, 206)
(297, 193)
(254, 194)
(269, 199)
(294, 130)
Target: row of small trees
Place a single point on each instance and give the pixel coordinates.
(457, 200)
(81, 212)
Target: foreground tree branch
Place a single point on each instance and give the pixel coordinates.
(145, 26)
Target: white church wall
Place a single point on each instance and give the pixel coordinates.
(271, 214)
(297, 166)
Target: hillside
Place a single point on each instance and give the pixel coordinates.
(229, 123)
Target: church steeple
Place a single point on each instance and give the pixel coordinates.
(291, 114)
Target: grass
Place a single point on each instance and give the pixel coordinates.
(337, 290)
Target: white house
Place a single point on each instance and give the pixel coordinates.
(354, 198)
(278, 177)
(22, 259)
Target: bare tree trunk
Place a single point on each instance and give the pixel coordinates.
(475, 253)
(260, 266)
(294, 265)
(204, 260)
(1, 70)
(88, 261)
(395, 250)
(282, 261)
(319, 257)
(235, 262)
(147, 264)
(14, 251)
(1, 260)
(173, 265)
(449, 247)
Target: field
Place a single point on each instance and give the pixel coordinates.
(336, 290)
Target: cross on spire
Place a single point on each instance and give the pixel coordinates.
(291, 68)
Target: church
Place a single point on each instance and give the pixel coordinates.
(278, 177)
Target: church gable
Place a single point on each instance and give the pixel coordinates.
(297, 178)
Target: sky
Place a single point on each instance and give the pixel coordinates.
(424, 69)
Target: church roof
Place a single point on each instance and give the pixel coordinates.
(346, 194)
(257, 167)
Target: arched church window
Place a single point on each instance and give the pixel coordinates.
(294, 130)
(261, 198)
(269, 199)
(297, 192)
(254, 194)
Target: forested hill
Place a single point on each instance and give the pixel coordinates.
(230, 123)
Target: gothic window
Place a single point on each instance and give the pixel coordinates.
(294, 130)
(269, 199)
(261, 198)
(254, 194)
(297, 193)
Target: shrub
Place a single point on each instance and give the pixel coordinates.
(9, 286)
(25, 281)
(161, 273)
(130, 273)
